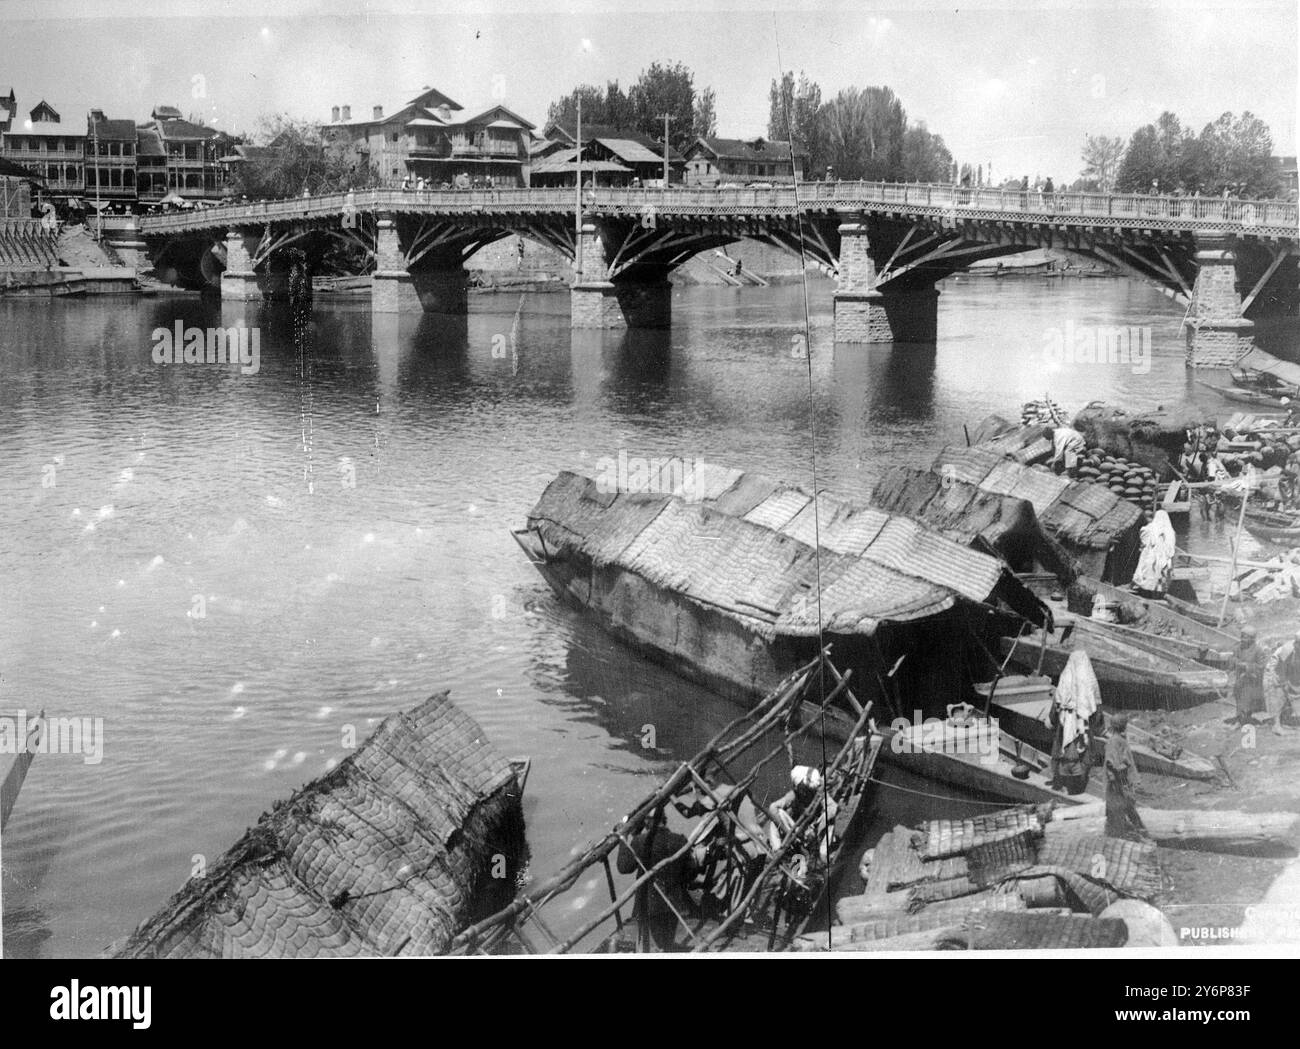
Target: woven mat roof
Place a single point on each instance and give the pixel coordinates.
(758, 562)
(378, 857)
(1074, 512)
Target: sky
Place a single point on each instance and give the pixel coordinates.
(1010, 84)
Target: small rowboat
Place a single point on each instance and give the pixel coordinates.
(1263, 382)
(1262, 400)
(1023, 706)
(1130, 676)
(1282, 529)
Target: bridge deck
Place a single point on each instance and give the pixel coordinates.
(1269, 219)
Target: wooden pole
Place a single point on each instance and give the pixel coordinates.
(1236, 546)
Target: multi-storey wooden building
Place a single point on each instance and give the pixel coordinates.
(43, 144)
(186, 155)
(715, 161)
(110, 159)
(429, 137)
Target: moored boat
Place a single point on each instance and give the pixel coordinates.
(1282, 529)
(1243, 396)
(1129, 676)
(734, 599)
(733, 880)
(389, 854)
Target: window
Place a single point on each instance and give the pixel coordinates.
(70, 173)
(128, 149)
(128, 179)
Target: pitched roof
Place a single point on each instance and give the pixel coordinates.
(432, 98)
(114, 130)
(757, 149)
(379, 856)
(165, 113)
(47, 128)
(591, 132)
(1074, 512)
(759, 565)
(183, 129)
(631, 151)
(494, 111)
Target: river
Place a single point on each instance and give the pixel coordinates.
(231, 569)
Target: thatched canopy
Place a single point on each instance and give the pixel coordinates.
(748, 546)
(381, 856)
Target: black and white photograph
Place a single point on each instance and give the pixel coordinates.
(503, 479)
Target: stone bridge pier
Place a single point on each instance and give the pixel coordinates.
(603, 296)
(867, 311)
(239, 281)
(1217, 332)
(408, 279)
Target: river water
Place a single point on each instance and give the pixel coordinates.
(230, 570)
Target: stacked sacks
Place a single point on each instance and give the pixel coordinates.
(1129, 480)
(1041, 413)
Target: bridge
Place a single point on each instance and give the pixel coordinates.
(1231, 263)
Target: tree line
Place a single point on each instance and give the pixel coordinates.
(661, 89)
(1232, 154)
(861, 133)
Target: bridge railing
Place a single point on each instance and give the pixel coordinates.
(917, 198)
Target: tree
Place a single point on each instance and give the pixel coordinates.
(863, 131)
(564, 111)
(294, 156)
(1236, 152)
(925, 157)
(664, 89)
(1101, 157)
(1232, 152)
(795, 115)
(1141, 163)
(706, 118)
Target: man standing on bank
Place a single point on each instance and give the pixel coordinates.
(1122, 820)
(1282, 681)
(1248, 677)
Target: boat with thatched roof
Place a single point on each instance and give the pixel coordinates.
(388, 854)
(1098, 529)
(733, 579)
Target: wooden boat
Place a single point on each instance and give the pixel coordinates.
(1169, 616)
(1282, 529)
(714, 626)
(1129, 676)
(1262, 400)
(1023, 704)
(1263, 382)
(740, 891)
(422, 812)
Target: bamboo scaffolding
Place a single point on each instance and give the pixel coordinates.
(760, 719)
(792, 839)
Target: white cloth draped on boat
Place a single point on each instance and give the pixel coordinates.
(1078, 696)
(1157, 555)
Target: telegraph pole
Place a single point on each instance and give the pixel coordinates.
(666, 119)
(577, 213)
